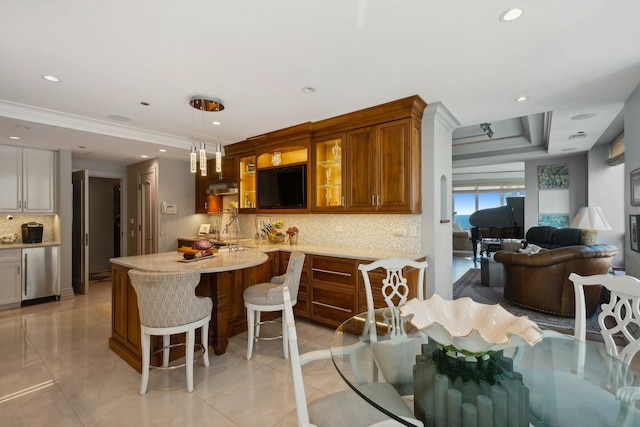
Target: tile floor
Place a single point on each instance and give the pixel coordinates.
(56, 370)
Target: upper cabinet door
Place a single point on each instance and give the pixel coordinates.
(27, 179)
(10, 179)
(362, 170)
(394, 159)
(38, 180)
(328, 177)
(228, 173)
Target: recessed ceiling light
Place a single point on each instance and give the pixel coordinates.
(583, 116)
(522, 98)
(51, 78)
(144, 156)
(308, 89)
(14, 137)
(215, 123)
(162, 150)
(512, 14)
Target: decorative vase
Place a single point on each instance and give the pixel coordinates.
(293, 239)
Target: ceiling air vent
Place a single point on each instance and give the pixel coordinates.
(578, 135)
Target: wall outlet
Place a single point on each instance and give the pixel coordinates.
(339, 228)
(413, 231)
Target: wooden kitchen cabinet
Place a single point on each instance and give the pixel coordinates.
(202, 185)
(228, 173)
(328, 179)
(379, 168)
(28, 180)
(247, 184)
(334, 289)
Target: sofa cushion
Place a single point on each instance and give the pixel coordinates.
(551, 237)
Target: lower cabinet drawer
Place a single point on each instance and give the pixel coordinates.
(332, 306)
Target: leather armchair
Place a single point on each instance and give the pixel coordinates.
(541, 281)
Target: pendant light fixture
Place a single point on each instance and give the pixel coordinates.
(218, 157)
(193, 160)
(203, 159)
(204, 105)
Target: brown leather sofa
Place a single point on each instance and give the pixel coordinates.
(541, 281)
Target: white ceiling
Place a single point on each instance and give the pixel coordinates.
(569, 57)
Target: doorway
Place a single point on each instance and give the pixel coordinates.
(96, 231)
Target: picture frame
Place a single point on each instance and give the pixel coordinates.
(635, 187)
(634, 235)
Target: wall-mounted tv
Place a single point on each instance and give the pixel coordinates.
(282, 188)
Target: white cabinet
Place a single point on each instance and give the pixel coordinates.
(27, 179)
(10, 276)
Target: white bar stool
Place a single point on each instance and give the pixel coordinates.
(268, 297)
(168, 305)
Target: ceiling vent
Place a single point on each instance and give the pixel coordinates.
(578, 135)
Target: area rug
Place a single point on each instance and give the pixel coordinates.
(469, 286)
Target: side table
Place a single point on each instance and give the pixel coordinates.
(491, 272)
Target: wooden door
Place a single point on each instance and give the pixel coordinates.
(147, 197)
(362, 171)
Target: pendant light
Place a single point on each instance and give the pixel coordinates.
(193, 160)
(218, 158)
(203, 159)
(204, 105)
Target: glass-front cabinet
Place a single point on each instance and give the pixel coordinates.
(247, 189)
(329, 182)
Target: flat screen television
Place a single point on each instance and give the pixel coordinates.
(282, 188)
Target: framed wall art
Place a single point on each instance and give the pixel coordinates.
(633, 232)
(635, 187)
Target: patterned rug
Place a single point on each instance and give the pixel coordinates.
(469, 286)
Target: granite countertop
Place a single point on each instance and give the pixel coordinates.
(371, 254)
(21, 245)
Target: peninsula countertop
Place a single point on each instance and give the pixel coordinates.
(174, 261)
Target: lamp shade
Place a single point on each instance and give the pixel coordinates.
(589, 218)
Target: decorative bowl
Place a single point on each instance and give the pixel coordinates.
(469, 328)
(276, 238)
(9, 238)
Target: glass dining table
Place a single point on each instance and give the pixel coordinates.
(559, 381)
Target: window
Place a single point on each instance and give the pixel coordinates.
(469, 198)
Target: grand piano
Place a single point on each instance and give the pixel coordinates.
(504, 222)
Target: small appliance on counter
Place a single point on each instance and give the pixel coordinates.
(32, 232)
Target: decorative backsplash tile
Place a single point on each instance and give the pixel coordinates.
(391, 232)
(14, 226)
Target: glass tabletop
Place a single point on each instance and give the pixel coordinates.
(559, 381)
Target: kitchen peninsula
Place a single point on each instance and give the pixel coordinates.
(330, 287)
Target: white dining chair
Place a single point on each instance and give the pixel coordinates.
(395, 291)
(619, 323)
(344, 408)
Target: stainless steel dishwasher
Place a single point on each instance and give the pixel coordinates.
(40, 278)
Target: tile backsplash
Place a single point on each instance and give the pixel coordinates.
(393, 232)
(14, 226)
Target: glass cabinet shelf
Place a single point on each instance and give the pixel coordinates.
(328, 174)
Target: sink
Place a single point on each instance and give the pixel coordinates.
(233, 248)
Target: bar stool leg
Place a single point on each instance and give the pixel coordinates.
(145, 343)
(250, 332)
(166, 342)
(205, 343)
(285, 338)
(189, 358)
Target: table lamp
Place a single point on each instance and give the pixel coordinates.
(590, 220)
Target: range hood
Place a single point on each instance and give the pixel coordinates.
(223, 189)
